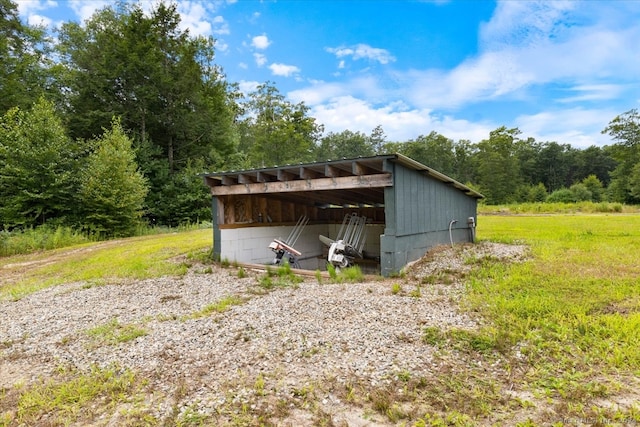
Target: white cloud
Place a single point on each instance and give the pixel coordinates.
(576, 126)
(318, 93)
(247, 87)
(34, 19)
(85, 9)
(221, 27)
(525, 23)
(365, 87)
(398, 122)
(260, 59)
(193, 17)
(26, 8)
(260, 42)
(29, 11)
(283, 69)
(254, 17)
(221, 46)
(363, 51)
(488, 77)
(593, 92)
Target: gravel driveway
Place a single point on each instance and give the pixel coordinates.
(290, 338)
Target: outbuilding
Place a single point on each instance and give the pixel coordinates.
(393, 207)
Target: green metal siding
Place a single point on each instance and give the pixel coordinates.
(418, 210)
(424, 204)
(217, 241)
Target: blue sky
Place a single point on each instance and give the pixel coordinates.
(558, 71)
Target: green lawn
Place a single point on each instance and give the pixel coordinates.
(572, 313)
(135, 258)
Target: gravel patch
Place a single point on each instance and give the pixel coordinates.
(291, 336)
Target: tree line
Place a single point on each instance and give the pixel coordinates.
(108, 124)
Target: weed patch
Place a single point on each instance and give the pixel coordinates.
(113, 333)
(470, 341)
(280, 277)
(351, 274)
(396, 288)
(76, 398)
(217, 307)
(39, 239)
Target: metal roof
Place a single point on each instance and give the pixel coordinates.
(363, 178)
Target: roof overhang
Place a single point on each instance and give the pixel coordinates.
(360, 181)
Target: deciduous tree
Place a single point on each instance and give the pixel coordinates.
(278, 132)
(433, 150)
(625, 130)
(498, 168)
(346, 144)
(23, 64)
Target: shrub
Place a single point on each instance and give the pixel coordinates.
(593, 184)
(580, 193)
(563, 195)
(537, 193)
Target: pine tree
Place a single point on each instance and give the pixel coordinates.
(38, 165)
(112, 189)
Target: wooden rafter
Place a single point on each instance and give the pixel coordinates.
(320, 184)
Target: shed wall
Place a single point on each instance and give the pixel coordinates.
(419, 209)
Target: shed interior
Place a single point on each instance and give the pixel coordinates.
(253, 207)
(267, 203)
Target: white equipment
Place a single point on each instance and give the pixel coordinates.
(349, 242)
(284, 249)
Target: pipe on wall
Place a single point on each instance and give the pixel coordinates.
(453, 221)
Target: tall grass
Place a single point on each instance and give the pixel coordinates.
(48, 237)
(558, 208)
(38, 239)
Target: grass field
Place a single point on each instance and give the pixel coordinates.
(561, 329)
(570, 317)
(134, 258)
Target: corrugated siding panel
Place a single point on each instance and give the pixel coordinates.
(424, 204)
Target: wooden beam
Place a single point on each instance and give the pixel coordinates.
(331, 171)
(340, 183)
(264, 177)
(243, 178)
(219, 211)
(306, 173)
(285, 176)
(227, 180)
(212, 182)
(361, 169)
